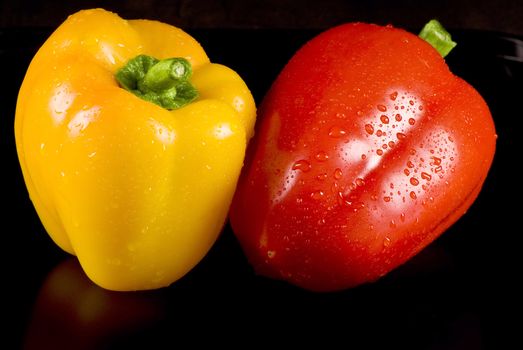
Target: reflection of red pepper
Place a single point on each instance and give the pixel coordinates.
(368, 149)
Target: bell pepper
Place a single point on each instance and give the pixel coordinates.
(131, 143)
(368, 149)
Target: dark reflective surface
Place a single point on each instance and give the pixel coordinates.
(457, 294)
(72, 313)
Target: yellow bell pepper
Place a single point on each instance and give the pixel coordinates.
(136, 183)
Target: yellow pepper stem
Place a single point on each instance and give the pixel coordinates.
(163, 82)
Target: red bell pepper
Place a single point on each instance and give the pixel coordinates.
(368, 149)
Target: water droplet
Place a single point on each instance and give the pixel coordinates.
(322, 176)
(393, 96)
(410, 164)
(317, 195)
(379, 152)
(412, 151)
(438, 169)
(451, 139)
(391, 144)
(386, 199)
(386, 241)
(436, 161)
(414, 181)
(357, 206)
(321, 221)
(369, 129)
(401, 136)
(406, 171)
(374, 197)
(363, 156)
(426, 176)
(384, 119)
(398, 117)
(412, 195)
(384, 146)
(411, 102)
(392, 224)
(321, 156)
(412, 121)
(271, 254)
(342, 200)
(382, 108)
(338, 173)
(379, 133)
(360, 182)
(302, 165)
(337, 132)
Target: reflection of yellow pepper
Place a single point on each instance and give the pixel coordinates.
(138, 192)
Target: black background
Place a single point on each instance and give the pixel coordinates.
(459, 293)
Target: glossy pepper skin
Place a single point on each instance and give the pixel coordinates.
(139, 193)
(368, 149)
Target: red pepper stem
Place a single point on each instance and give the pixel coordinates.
(434, 33)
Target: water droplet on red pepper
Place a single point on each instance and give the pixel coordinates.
(393, 96)
(317, 195)
(302, 165)
(426, 176)
(337, 132)
(322, 176)
(321, 156)
(414, 181)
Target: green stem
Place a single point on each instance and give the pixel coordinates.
(434, 33)
(163, 82)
